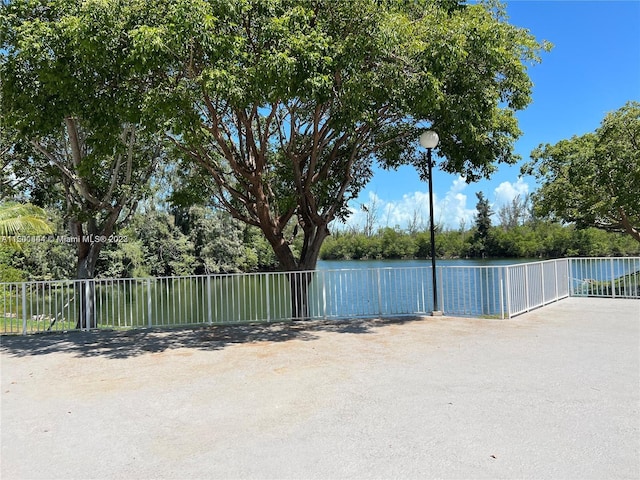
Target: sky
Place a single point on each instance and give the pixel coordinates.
(592, 69)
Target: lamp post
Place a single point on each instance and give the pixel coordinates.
(429, 140)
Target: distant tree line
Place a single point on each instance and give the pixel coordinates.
(198, 240)
(543, 239)
(519, 235)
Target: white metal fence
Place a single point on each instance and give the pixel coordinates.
(533, 285)
(496, 291)
(605, 277)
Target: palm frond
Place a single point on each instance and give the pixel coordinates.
(22, 219)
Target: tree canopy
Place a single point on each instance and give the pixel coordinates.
(285, 105)
(288, 103)
(593, 179)
(73, 87)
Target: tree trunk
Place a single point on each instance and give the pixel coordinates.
(299, 270)
(628, 226)
(299, 284)
(88, 251)
(300, 279)
(90, 243)
(85, 273)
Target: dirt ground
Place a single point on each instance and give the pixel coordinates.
(551, 394)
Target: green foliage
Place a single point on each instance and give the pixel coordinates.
(22, 219)
(76, 89)
(156, 248)
(532, 240)
(51, 257)
(449, 244)
(481, 242)
(10, 274)
(126, 259)
(396, 245)
(259, 255)
(217, 240)
(15, 155)
(594, 179)
(194, 241)
(287, 103)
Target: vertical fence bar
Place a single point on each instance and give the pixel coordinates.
(269, 277)
(441, 290)
(613, 278)
(501, 296)
(508, 285)
(342, 293)
(542, 281)
(379, 293)
(149, 303)
(324, 297)
(24, 308)
(209, 312)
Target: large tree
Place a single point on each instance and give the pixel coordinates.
(287, 103)
(593, 179)
(75, 83)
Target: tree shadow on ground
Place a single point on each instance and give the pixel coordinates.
(133, 343)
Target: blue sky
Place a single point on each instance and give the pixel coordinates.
(594, 68)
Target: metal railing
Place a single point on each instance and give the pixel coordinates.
(533, 285)
(494, 291)
(617, 277)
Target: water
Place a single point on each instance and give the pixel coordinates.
(465, 286)
(364, 264)
(338, 289)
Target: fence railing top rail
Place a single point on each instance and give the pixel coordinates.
(288, 272)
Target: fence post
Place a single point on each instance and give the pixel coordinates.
(87, 305)
(555, 280)
(24, 308)
(379, 294)
(570, 276)
(268, 299)
(324, 296)
(542, 281)
(209, 312)
(508, 284)
(526, 285)
(441, 283)
(501, 295)
(149, 309)
(613, 280)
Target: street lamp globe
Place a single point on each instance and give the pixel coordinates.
(429, 139)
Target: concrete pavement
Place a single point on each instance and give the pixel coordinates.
(554, 393)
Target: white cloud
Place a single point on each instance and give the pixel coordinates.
(507, 191)
(452, 211)
(459, 184)
(449, 211)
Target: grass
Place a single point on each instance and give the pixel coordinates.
(14, 325)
